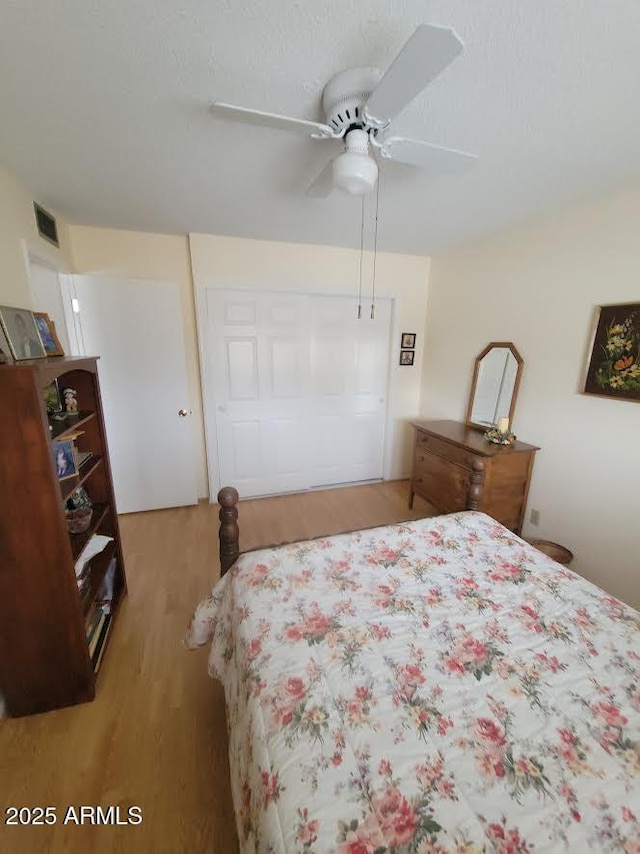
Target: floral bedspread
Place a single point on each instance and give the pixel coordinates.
(433, 686)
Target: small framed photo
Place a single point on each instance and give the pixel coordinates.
(613, 368)
(406, 357)
(22, 334)
(64, 458)
(52, 399)
(6, 356)
(408, 341)
(47, 332)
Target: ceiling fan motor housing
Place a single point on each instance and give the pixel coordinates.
(345, 95)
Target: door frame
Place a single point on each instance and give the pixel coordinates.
(201, 287)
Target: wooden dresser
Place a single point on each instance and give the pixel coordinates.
(456, 468)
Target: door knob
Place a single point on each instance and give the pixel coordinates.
(183, 413)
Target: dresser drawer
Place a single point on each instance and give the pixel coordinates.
(447, 450)
(442, 484)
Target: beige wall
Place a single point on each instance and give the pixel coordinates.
(537, 286)
(228, 262)
(18, 234)
(138, 255)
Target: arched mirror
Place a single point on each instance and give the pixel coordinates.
(494, 390)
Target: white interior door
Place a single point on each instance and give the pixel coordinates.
(260, 369)
(350, 363)
(135, 327)
(297, 390)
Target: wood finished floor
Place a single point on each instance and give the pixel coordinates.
(155, 735)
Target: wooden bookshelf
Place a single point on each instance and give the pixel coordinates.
(44, 651)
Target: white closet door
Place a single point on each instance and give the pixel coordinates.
(350, 364)
(298, 387)
(260, 370)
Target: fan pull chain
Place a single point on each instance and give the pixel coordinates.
(361, 256)
(375, 253)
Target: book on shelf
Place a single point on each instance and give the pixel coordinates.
(86, 597)
(105, 592)
(97, 632)
(91, 621)
(83, 580)
(95, 544)
(83, 586)
(102, 642)
(82, 457)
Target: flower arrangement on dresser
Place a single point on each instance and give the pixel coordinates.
(499, 433)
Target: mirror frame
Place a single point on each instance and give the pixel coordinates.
(516, 386)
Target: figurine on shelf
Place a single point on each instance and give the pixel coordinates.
(70, 401)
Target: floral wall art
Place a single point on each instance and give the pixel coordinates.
(614, 360)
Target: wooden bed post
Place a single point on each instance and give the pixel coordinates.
(229, 531)
(476, 484)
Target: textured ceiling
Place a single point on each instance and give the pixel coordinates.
(103, 112)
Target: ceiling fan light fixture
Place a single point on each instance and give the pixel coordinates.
(355, 174)
(359, 103)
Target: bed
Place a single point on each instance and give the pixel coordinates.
(438, 685)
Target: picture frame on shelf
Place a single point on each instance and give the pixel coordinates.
(21, 333)
(47, 332)
(81, 457)
(408, 341)
(52, 398)
(407, 356)
(6, 356)
(613, 363)
(64, 458)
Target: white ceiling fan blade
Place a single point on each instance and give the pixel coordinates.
(429, 50)
(414, 152)
(271, 120)
(323, 185)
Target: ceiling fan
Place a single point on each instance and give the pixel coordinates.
(359, 105)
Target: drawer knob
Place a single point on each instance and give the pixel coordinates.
(420, 459)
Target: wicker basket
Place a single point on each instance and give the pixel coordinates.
(553, 550)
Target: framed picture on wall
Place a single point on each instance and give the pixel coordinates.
(406, 357)
(408, 341)
(613, 367)
(22, 334)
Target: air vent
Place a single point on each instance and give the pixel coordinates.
(47, 227)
